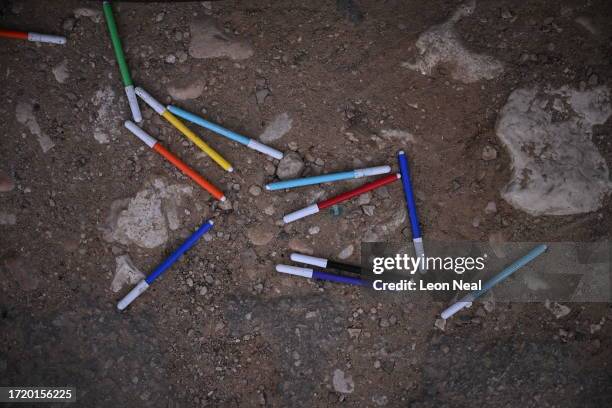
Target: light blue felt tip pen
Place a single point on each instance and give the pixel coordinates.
(250, 143)
(515, 266)
(328, 178)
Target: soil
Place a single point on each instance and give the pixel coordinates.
(254, 337)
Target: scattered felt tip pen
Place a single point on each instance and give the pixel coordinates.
(126, 77)
(144, 284)
(417, 238)
(314, 274)
(178, 163)
(515, 266)
(324, 263)
(248, 142)
(315, 208)
(328, 178)
(33, 37)
(188, 133)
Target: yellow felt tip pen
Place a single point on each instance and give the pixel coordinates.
(189, 134)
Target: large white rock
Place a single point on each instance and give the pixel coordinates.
(556, 167)
(441, 45)
(145, 219)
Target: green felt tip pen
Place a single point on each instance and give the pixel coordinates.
(123, 67)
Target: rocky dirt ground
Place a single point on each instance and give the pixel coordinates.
(503, 107)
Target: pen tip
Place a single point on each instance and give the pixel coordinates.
(267, 187)
(231, 169)
(211, 222)
(222, 198)
(400, 152)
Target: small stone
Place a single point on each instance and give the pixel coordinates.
(593, 80)
(6, 183)
(170, 59)
(445, 349)
(380, 400)
(297, 245)
(346, 252)
(203, 290)
(440, 324)
(290, 166)
(342, 383)
(261, 95)
(208, 41)
(225, 205)
(185, 90)
(277, 128)
(314, 230)
(368, 210)
(354, 333)
(60, 72)
(293, 146)
(159, 17)
(384, 323)
(68, 24)
(94, 15)
(270, 169)
(476, 222)
(557, 309)
(364, 199)
(377, 364)
(255, 190)
(491, 207)
(261, 234)
(126, 274)
(489, 153)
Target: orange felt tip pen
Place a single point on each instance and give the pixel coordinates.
(188, 171)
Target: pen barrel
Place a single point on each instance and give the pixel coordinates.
(195, 139)
(358, 191)
(189, 242)
(509, 270)
(307, 181)
(189, 172)
(344, 267)
(19, 35)
(208, 125)
(337, 278)
(132, 295)
(114, 34)
(409, 195)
